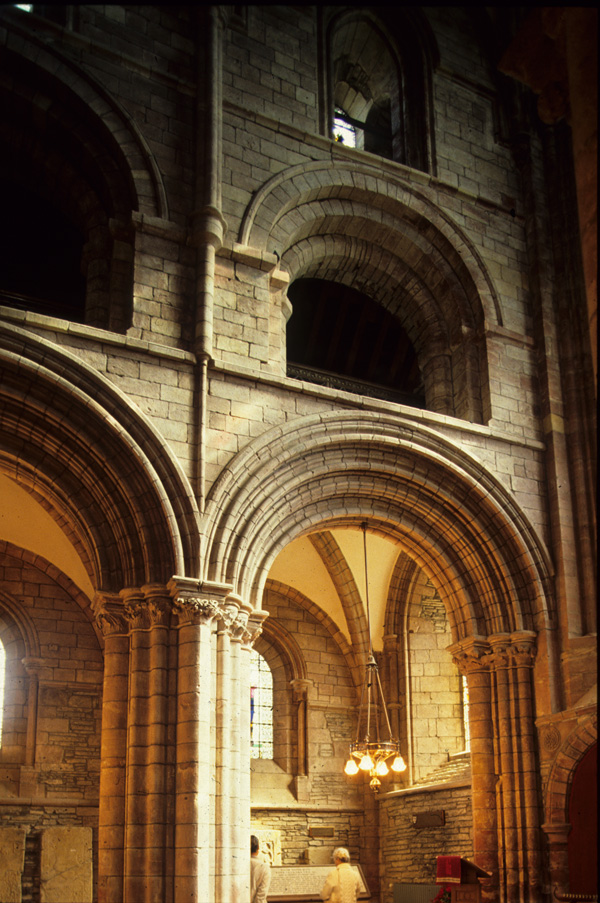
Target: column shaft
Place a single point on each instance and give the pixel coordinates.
(113, 752)
(193, 838)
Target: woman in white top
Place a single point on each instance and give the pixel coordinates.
(342, 884)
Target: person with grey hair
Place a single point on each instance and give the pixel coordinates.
(260, 874)
(342, 884)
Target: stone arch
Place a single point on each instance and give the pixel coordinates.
(570, 754)
(323, 618)
(80, 94)
(557, 825)
(353, 224)
(73, 438)
(456, 521)
(17, 615)
(71, 145)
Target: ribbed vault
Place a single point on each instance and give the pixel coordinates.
(454, 520)
(73, 439)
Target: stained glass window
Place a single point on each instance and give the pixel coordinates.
(343, 131)
(261, 708)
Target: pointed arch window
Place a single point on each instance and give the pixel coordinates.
(261, 708)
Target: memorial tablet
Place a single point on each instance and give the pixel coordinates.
(305, 882)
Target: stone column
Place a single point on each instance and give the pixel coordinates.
(148, 612)
(226, 711)
(470, 656)
(194, 840)
(558, 847)
(113, 750)
(505, 793)
(522, 652)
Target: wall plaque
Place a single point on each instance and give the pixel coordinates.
(305, 882)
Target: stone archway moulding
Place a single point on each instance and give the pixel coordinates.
(121, 126)
(563, 769)
(456, 520)
(385, 195)
(69, 434)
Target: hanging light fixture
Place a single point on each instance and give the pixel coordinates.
(373, 748)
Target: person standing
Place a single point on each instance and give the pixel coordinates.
(260, 874)
(342, 884)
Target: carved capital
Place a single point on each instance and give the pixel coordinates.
(109, 614)
(300, 689)
(472, 654)
(194, 609)
(523, 649)
(33, 665)
(147, 608)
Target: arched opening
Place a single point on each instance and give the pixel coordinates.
(339, 337)
(40, 232)
(583, 817)
(379, 71)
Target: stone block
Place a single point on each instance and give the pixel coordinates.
(66, 865)
(12, 858)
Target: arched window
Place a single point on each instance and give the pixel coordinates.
(343, 130)
(261, 708)
(380, 84)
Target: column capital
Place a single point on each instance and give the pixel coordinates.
(146, 607)
(198, 602)
(33, 664)
(300, 689)
(109, 614)
(471, 654)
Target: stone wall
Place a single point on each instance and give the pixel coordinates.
(408, 852)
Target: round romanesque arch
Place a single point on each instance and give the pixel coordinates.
(557, 793)
(454, 519)
(72, 438)
(71, 154)
(368, 230)
(108, 136)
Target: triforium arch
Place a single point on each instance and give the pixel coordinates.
(370, 231)
(464, 530)
(69, 144)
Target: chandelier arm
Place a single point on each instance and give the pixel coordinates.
(360, 710)
(383, 705)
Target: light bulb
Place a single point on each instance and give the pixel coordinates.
(366, 763)
(351, 767)
(398, 764)
(381, 768)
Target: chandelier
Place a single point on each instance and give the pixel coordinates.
(373, 748)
